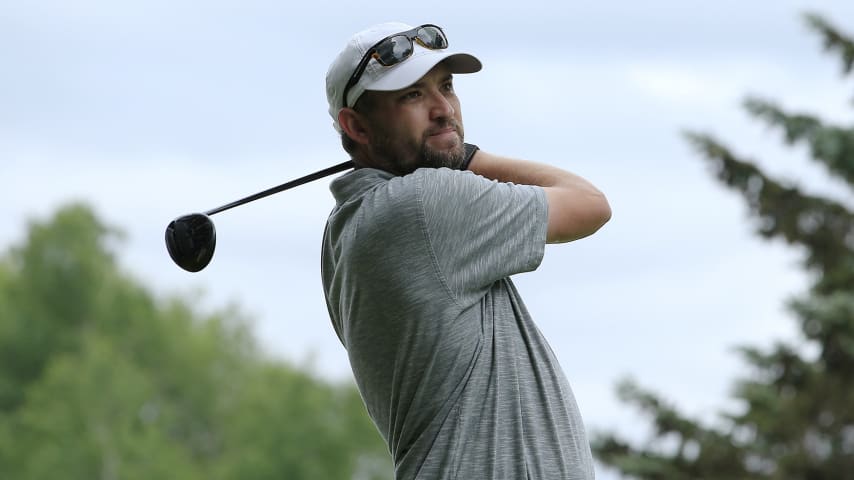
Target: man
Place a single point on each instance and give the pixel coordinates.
(417, 256)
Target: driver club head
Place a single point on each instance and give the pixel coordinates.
(190, 240)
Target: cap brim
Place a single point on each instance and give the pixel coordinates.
(412, 69)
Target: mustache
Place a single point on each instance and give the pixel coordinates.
(443, 125)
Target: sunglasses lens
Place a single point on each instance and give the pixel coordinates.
(397, 48)
(432, 37)
(394, 50)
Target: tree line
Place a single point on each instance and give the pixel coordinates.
(99, 379)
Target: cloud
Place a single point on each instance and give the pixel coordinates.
(682, 86)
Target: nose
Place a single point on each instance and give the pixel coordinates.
(441, 106)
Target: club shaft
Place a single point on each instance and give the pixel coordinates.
(285, 186)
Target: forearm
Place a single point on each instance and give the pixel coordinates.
(524, 172)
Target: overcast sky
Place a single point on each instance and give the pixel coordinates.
(151, 109)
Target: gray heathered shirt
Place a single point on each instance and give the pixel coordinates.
(458, 379)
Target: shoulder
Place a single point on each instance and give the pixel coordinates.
(428, 184)
(425, 189)
(455, 189)
(444, 183)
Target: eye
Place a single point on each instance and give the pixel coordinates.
(448, 86)
(411, 95)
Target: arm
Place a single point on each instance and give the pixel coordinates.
(576, 208)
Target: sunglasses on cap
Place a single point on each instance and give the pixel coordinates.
(396, 48)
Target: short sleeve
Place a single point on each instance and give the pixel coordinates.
(481, 230)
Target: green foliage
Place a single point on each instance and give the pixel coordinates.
(796, 419)
(821, 225)
(99, 379)
(834, 39)
(831, 145)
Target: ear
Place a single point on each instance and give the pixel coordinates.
(354, 125)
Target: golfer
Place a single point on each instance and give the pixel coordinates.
(416, 262)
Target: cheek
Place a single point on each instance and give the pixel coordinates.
(389, 129)
(412, 124)
(458, 111)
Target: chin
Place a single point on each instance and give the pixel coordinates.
(451, 157)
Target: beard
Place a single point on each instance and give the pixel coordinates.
(402, 156)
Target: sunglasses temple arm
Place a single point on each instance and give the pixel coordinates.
(360, 69)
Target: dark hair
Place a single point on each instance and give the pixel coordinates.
(348, 143)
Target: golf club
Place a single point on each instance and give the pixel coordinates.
(191, 239)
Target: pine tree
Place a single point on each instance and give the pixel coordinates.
(797, 420)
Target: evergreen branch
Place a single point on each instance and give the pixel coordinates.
(780, 370)
(782, 367)
(824, 227)
(698, 450)
(834, 39)
(831, 145)
(827, 320)
(631, 461)
(667, 419)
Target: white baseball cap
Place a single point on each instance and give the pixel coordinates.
(378, 77)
